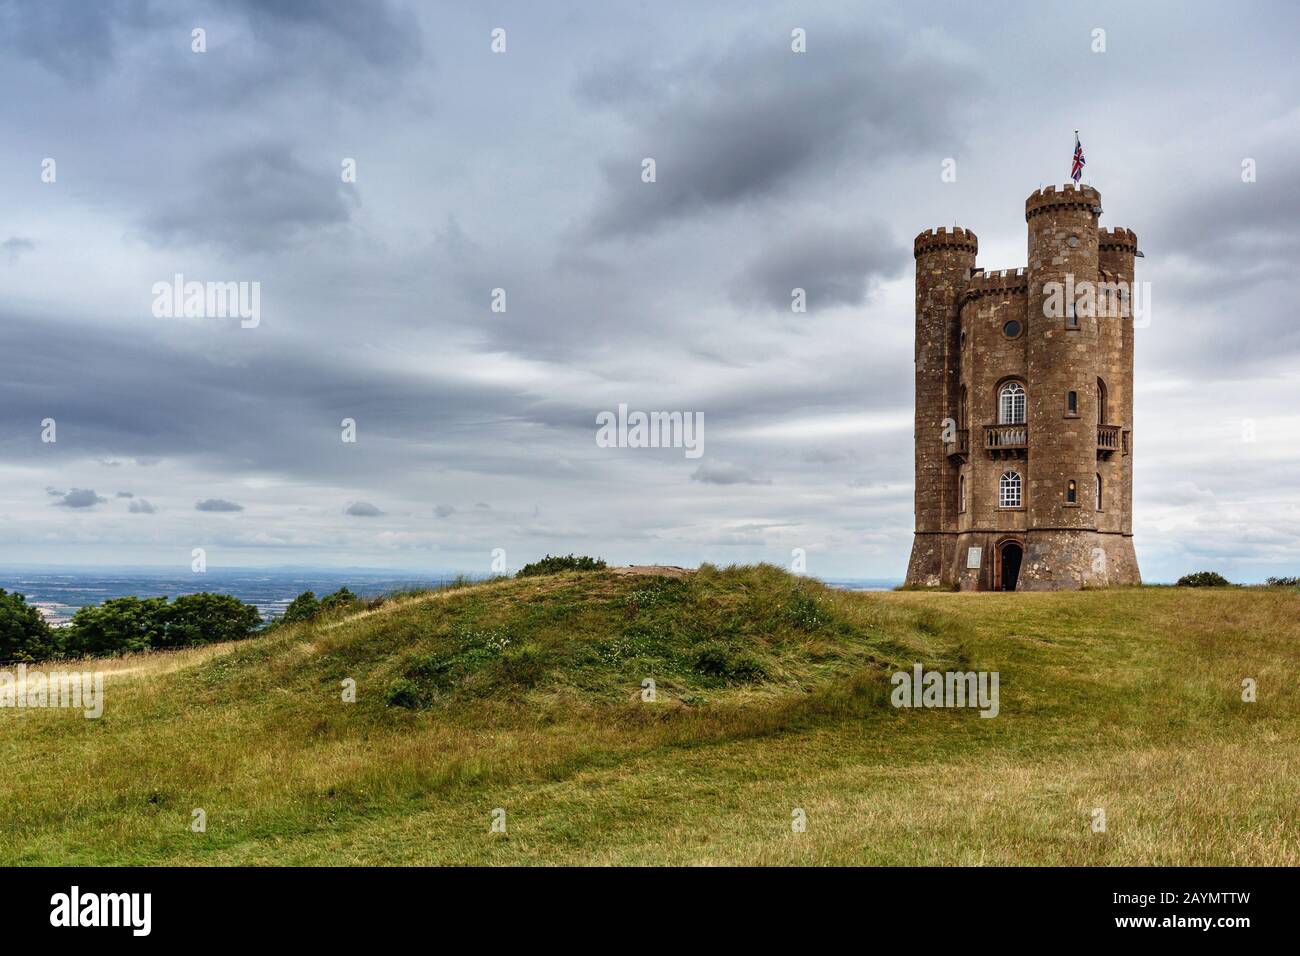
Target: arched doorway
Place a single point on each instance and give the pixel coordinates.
(1009, 555)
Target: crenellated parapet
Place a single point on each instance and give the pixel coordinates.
(1118, 239)
(933, 240)
(1062, 197)
(1000, 283)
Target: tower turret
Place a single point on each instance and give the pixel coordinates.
(944, 260)
(1118, 248)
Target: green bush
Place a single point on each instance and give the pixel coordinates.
(1282, 582)
(715, 659)
(1204, 579)
(302, 608)
(24, 634)
(122, 625)
(207, 618)
(554, 565)
(341, 599)
(404, 693)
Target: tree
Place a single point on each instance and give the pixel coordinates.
(118, 626)
(206, 618)
(341, 598)
(302, 608)
(1203, 579)
(24, 634)
(554, 565)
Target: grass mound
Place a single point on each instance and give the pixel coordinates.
(390, 734)
(597, 638)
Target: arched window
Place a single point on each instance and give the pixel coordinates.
(1099, 492)
(1009, 490)
(961, 482)
(1071, 492)
(1011, 404)
(961, 416)
(1101, 402)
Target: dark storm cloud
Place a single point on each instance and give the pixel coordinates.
(217, 504)
(833, 267)
(761, 121)
(252, 199)
(80, 498)
(233, 403)
(77, 41)
(254, 46)
(1236, 232)
(381, 34)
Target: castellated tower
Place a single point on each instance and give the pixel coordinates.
(1024, 406)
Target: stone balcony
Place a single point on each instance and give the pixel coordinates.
(1110, 439)
(958, 450)
(1006, 441)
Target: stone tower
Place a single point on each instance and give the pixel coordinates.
(1024, 406)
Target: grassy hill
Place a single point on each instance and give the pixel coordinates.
(772, 694)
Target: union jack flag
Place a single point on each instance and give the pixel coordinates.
(1076, 168)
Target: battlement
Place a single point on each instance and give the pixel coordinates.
(943, 238)
(1070, 195)
(1117, 240)
(1003, 282)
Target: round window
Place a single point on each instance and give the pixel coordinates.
(1072, 242)
(1011, 329)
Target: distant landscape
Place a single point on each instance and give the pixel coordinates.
(58, 591)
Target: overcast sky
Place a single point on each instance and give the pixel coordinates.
(522, 171)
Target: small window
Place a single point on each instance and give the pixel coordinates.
(1071, 493)
(1072, 403)
(961, 484)
(1101, 402)
(963, 338)
(961, 416)
(1009, 490)
(1099, 492)
(1012, 329)
(1071, 316)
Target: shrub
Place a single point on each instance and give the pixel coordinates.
(207, 618)
(430, 669)
(404, 693)
(715, 659)
(554, 565)
(122, 625)
(24, 634)
(1282, 582)
(1203, 579)
(302, 608)
(340, 599)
